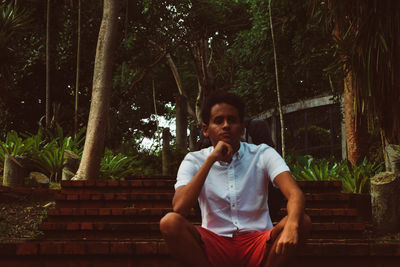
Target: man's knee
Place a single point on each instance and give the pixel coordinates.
(172, 223)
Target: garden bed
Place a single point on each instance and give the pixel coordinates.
(21, 212)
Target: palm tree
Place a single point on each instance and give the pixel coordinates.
(14, 22)
(368, 46)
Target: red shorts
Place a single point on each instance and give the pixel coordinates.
(240, 250)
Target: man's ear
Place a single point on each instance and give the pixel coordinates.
(205, 129)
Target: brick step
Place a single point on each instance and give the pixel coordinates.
(167, 185)
(338, 230)
(155, 214)
(112, 214)
(111, 196)
(320, 186)
(112, 200)
(329, 214)
(155, 253)
(327, 200)
(159, 247)
(132, 186)
(114, 204)
(103, 230)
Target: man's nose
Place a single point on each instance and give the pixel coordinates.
(226, 124)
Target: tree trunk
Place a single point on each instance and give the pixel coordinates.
(48, 65)
(177, 78)
(78, 57)
(102, 85)
(352, 135)
(166, 153)
(14, 171)
(178, 82)
(278, 93)
(126, 23)
(194, 133)
(205, 76)
(385, 202)
(181, 123)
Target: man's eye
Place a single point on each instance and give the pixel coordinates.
(232, 120)
(218, 121)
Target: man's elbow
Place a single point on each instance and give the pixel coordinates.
(176, 207)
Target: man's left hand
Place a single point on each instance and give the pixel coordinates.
(287, 241)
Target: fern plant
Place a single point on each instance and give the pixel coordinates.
(308, 169)
(48, 156)
(115, 167)
(13, 145)
(356, 179)
(50, 159)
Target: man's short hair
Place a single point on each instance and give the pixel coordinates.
(218, 97)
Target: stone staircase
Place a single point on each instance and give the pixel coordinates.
(116, 223)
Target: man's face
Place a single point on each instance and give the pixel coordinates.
(224, 125)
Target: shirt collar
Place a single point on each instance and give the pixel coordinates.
(240, 152)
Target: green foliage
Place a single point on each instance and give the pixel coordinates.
(48, 156)
(50, 159)
(367, 46)
(3, 227)
(355, 179)
(13, 145)
(303, 50)
(309, 169)
(13, 23)
(115, 167)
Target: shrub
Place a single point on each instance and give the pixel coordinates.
(13, 145)
(308, 169)
(48, 156)
(355, 179)
(115, 167)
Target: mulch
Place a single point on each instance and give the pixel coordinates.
(21, 212)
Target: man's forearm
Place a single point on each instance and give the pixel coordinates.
(295, 208)
(186, 198)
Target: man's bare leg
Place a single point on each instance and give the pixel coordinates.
(274, 259)
(183, 240)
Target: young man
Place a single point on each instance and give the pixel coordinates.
(230, 182)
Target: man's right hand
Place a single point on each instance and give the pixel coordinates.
(222, 152)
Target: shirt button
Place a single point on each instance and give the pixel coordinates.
(231, 186)
(233, 205)
(235, 222)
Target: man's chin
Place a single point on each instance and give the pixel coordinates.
(233, 143)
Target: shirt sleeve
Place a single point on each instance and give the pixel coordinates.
(274, 164)
(187, 170)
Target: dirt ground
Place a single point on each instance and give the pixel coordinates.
(21, 215)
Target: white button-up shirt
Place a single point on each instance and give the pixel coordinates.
(235, 195)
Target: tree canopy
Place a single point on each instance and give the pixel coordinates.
(212, 44)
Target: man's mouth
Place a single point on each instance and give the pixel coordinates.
(226, 135)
